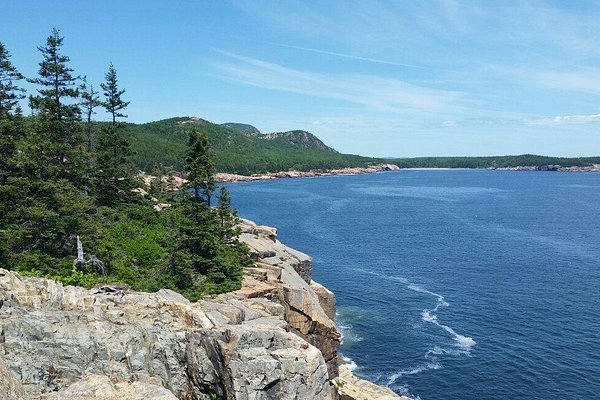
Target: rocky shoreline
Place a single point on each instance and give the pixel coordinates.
(223, 177)
(275, 338)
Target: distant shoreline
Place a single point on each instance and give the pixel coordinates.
(225, 177)
(222, 177)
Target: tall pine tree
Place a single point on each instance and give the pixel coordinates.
(58, 140)
(113, 102)
(10, 93)
(11, 121)
(113, 172)
(200, 167)
(49, 207)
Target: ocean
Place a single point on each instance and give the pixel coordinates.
(453, 284)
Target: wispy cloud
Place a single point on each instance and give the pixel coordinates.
(353, 57)
(377, 93)
(564, 119)
(574, 79)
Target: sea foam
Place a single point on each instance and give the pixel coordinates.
(350, 364)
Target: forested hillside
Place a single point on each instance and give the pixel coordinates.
(235, 151)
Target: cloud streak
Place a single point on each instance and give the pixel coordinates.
(372, 92)
(354, 57)
(565, 119)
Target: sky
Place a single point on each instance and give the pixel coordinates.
(377, 78)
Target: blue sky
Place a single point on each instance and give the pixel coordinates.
(405, 78)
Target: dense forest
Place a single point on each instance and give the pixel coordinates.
(530, 160)
(71, 207)
(236, 149)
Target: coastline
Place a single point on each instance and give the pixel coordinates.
(222, 177)
(225, 177)
(276, 335)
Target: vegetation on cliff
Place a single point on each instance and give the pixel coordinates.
(65, 177)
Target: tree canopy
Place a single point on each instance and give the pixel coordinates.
(58, 190)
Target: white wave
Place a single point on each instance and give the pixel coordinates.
(436, 351)
(350, 364)
(347, 335)
(412, 371)
(464, 342)
(428, 317)
(440, 299)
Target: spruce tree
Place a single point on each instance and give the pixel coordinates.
(48, 207)
(57, 130)
(113, 173)
(113, 101)
(11, 121)
(58, 84)
(227, 217)
(10, 93)
(200, 167)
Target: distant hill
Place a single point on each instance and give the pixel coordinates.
(297, 137)
(244, 129)
(165, 142)
(303, 139)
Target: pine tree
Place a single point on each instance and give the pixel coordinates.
(10, 93)
(200, 167)
(11, 122)
(89, 103)
(57, 81)
(47, 207)
(57, 133)
(113, 102)
(113, 173)
(227, 217)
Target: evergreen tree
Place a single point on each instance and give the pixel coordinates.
(11, 121)
(227, 217)
(57, 132)
(113, 173)
(200, 167)
(10, 93)
(57, 81)
(113, 102)
(90, 102)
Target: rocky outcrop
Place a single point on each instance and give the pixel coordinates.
(53, 336)
(100, 387)
(275, 338)
(349, 387)
(287, 275)
(10, 386)
(223, 177)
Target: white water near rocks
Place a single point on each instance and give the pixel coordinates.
(464, 343)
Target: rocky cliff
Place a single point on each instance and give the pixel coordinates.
(275, 338)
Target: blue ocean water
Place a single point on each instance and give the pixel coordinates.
(453, 284)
